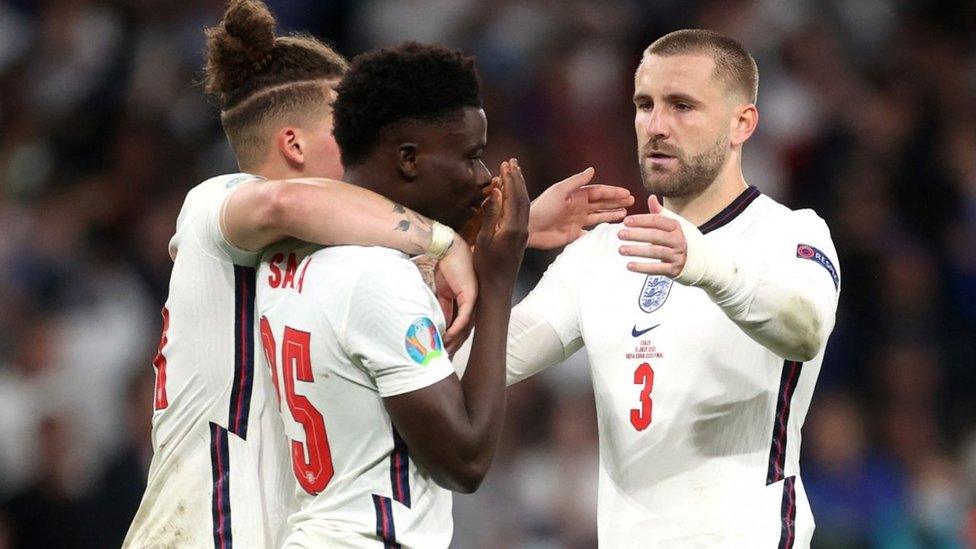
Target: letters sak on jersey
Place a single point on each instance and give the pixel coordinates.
(422, 341)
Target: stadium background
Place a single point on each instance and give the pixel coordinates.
(868, 111)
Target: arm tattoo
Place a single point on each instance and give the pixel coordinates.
(403, 226)
(398, 208)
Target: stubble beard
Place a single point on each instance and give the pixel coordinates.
(692, 177)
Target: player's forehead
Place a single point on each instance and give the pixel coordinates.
(458, 132)
(468, 128)
(685, 74)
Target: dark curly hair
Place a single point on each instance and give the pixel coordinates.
(409, 81)
(256, 77)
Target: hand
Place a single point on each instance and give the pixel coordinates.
(504, 230)
(456, 281)
(665, 240)
(559, 214)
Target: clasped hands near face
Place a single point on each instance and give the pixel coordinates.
(556, 217)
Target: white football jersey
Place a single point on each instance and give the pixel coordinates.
(219, 474)
(699, 425)
(344, 327)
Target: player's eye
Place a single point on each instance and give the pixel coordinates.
(682, 107)
(644, 106)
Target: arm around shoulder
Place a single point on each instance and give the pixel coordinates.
(320, 211)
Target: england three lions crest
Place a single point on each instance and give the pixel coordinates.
(654, 293)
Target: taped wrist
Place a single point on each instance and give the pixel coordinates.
(441, 239)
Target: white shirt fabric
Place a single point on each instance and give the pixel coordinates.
(219, 475)
(371, 329)
(699, 424)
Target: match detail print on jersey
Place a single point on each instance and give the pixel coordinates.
(240, 397)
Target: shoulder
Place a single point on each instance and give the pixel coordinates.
(777, 220)
(367, 271)
(209, 194)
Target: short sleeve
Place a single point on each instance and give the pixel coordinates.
(393, 328)
(206, 224)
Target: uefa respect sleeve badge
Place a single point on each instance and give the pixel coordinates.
(423, 342)
(806, 251)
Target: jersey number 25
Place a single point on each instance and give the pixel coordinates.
(315, 471)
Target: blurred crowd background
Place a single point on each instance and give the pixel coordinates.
(868, 115)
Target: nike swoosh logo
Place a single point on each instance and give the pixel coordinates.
(636, 333)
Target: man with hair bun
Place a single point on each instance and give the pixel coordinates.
(220, 473)
(705, 321)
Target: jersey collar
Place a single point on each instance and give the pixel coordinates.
(731, 211)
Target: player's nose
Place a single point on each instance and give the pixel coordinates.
(657, 125)
(482, 174)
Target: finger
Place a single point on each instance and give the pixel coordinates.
(598, 193)
(458, 341)
(664, 269)
(651, 221)
(465, 312)
(507, 189)
(611, 203)
(611, 216)
(653, 206)
(664, 253)
(491, 214)
(519, 195)
(576, 181)
(650, 236)
(461, 321)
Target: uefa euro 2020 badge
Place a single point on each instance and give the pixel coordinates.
(423, 342)
(654, 293)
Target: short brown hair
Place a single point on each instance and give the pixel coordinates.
(733, 64)
(256, 77)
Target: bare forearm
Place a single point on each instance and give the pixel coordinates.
(484, 382)
(325, 212)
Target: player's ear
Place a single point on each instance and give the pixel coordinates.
(291, 146)
(407, 161)
(744, 123)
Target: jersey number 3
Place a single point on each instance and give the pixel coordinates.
(640, 418)
(315, 471)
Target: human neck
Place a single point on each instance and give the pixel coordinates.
(699, 208)
(363, 176)
(275, 171)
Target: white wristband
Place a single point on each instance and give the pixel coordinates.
(441, 239)
(706, 266)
